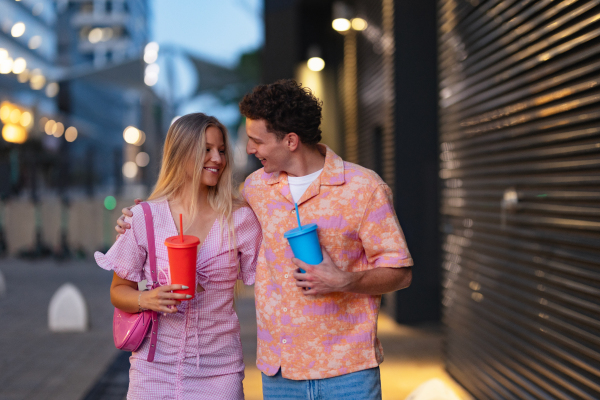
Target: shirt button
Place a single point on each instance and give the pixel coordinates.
(284, 341)
(284, 309)
(286, 275)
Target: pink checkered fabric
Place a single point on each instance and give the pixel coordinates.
(199, 352)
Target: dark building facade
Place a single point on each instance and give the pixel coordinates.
(482, 115)
(520, 151)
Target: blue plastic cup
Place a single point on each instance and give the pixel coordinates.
(305, 244)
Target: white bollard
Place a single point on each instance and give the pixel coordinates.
(433, 389)
(2, 285)
(67, 311)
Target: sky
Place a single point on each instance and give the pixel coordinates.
(218, 31)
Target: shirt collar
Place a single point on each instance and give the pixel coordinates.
(333, 170)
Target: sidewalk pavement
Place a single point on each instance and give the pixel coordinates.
(38, 364)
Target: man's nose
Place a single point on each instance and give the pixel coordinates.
(249, 148)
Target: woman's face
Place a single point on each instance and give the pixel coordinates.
(214, 160)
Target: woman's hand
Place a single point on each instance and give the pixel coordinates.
(122, 226)
(162, 300)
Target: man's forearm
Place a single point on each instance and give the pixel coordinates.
(378, 280)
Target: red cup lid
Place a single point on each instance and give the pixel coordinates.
(188, 241)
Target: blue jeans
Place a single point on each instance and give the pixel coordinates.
(360, 385)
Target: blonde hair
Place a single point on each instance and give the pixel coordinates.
(185, 142)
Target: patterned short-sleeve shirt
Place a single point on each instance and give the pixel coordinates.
(315, 337)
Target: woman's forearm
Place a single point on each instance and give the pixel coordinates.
(125, 298)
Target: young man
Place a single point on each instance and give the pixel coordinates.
(317, 330)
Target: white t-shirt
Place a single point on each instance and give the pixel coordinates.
(299, 184)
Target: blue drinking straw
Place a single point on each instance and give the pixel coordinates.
(298, 216)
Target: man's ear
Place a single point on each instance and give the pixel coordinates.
(292, 141)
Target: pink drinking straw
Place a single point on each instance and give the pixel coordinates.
(181, 227)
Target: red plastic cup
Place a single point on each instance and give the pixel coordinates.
(182, 262)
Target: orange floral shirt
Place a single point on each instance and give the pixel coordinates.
(315, 337)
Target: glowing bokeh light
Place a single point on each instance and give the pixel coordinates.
(49, 127)
(131, 135)
(19, 65)
(14, 133)
(35, 42)
(359, 24)
(18, 29)
(130, 169)
(6, 66)
(58, 129)
(142, 159)
(26, 119)
(15, 116)
(52, 89)
(341, 24)
(71, 134)
(315, 64)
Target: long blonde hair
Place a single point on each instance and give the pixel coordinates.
(186, 140)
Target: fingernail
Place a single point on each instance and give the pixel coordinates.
(188, 296)
(184, 287)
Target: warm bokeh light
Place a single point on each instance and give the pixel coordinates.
(95, 35)
(18, 29)
(14, 133)
(3, 54)
(152, 46)
(19, 65)
(26, 119)
(6, 65)
(58, 129)
(37, 80)
(5, 111)
(359, 24)
(42, 123)
(315, 64)
(71, 134)
(130, 169)
(52, 89)
(142, 159)
(15, 116)
(23, 76)
(35, 42)
(131, 135)
(341, 24)
(49, 127)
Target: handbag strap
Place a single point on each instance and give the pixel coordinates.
(152, 258)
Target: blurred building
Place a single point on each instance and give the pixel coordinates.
(513, 272)
(79, 76)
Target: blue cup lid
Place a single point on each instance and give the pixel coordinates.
(297, 232)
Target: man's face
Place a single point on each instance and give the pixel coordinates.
(272, 153)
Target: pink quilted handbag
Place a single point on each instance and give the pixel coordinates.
(130, 330)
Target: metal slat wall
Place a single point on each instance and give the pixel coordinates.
(520, 151)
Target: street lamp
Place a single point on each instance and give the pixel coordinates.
(341, 16)
(315, 62)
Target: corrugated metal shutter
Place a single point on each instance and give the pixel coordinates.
(520, 150)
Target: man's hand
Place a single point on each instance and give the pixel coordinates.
(322, 278)
(122, 226)
(326, 277)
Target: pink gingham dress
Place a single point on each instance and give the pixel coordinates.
(199, 352)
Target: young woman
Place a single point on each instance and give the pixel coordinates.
(198, 353)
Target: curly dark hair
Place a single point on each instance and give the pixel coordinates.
(286, 107)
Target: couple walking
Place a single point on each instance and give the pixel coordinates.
(317, 331)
